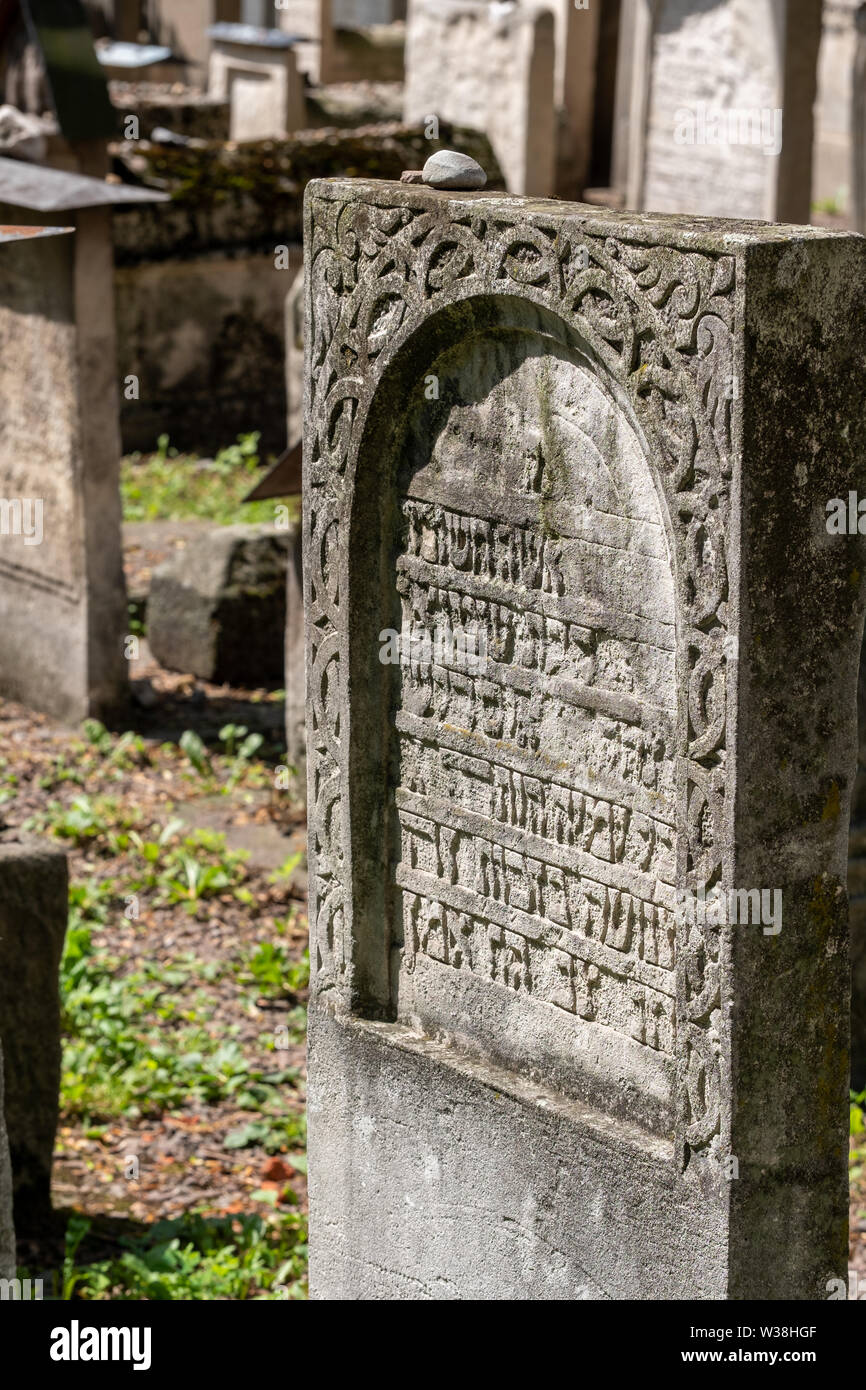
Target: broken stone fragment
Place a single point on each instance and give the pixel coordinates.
(412, 176)
(450, 169)
(218, 608)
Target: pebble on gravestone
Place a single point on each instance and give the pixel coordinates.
(450, 169)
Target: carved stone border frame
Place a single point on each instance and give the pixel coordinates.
(657, 307)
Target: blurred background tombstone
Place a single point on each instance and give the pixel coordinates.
(493, 68)
(705, 94)
(256, 70)
(63, 610)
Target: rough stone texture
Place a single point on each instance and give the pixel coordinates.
(62, 602)
(717, 55)
(218, 608)
(33, 909)
(491, 69)
(264, 87)
(204, 336)
(621, 481)
(7, 1233)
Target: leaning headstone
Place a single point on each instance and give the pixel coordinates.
(582, 666)
(492, 69)
(63, 609)
(217, 608)
(256, 70)
(33, 909)
(715, 106)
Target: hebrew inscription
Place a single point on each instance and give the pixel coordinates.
(536, 797)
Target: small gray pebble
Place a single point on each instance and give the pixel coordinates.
(450, 169)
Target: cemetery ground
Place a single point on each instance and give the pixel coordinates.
(179, 1166)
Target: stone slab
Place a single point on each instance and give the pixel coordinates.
(62, 601)
(581, 434)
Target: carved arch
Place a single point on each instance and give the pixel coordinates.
(658, 322)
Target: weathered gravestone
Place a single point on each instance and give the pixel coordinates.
(62, 599)
(256, 70)
(715, 103)
(486, 66)
(538, 1066)
(492, 69)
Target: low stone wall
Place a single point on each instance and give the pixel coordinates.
(201, 281)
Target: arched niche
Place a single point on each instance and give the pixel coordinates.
(519, 893)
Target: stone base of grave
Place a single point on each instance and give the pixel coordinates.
(217, 609)
(557, 1202)
(33, 910)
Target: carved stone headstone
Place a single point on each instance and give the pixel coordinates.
(715, 103)
(582, 665)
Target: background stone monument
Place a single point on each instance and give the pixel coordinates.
(63, 609)
(534, 1072)
(715, 106)
(492, 69)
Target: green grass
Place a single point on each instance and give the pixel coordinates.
(195, 1258)
(133, 1047)
(857, 1153)
(169, 486)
